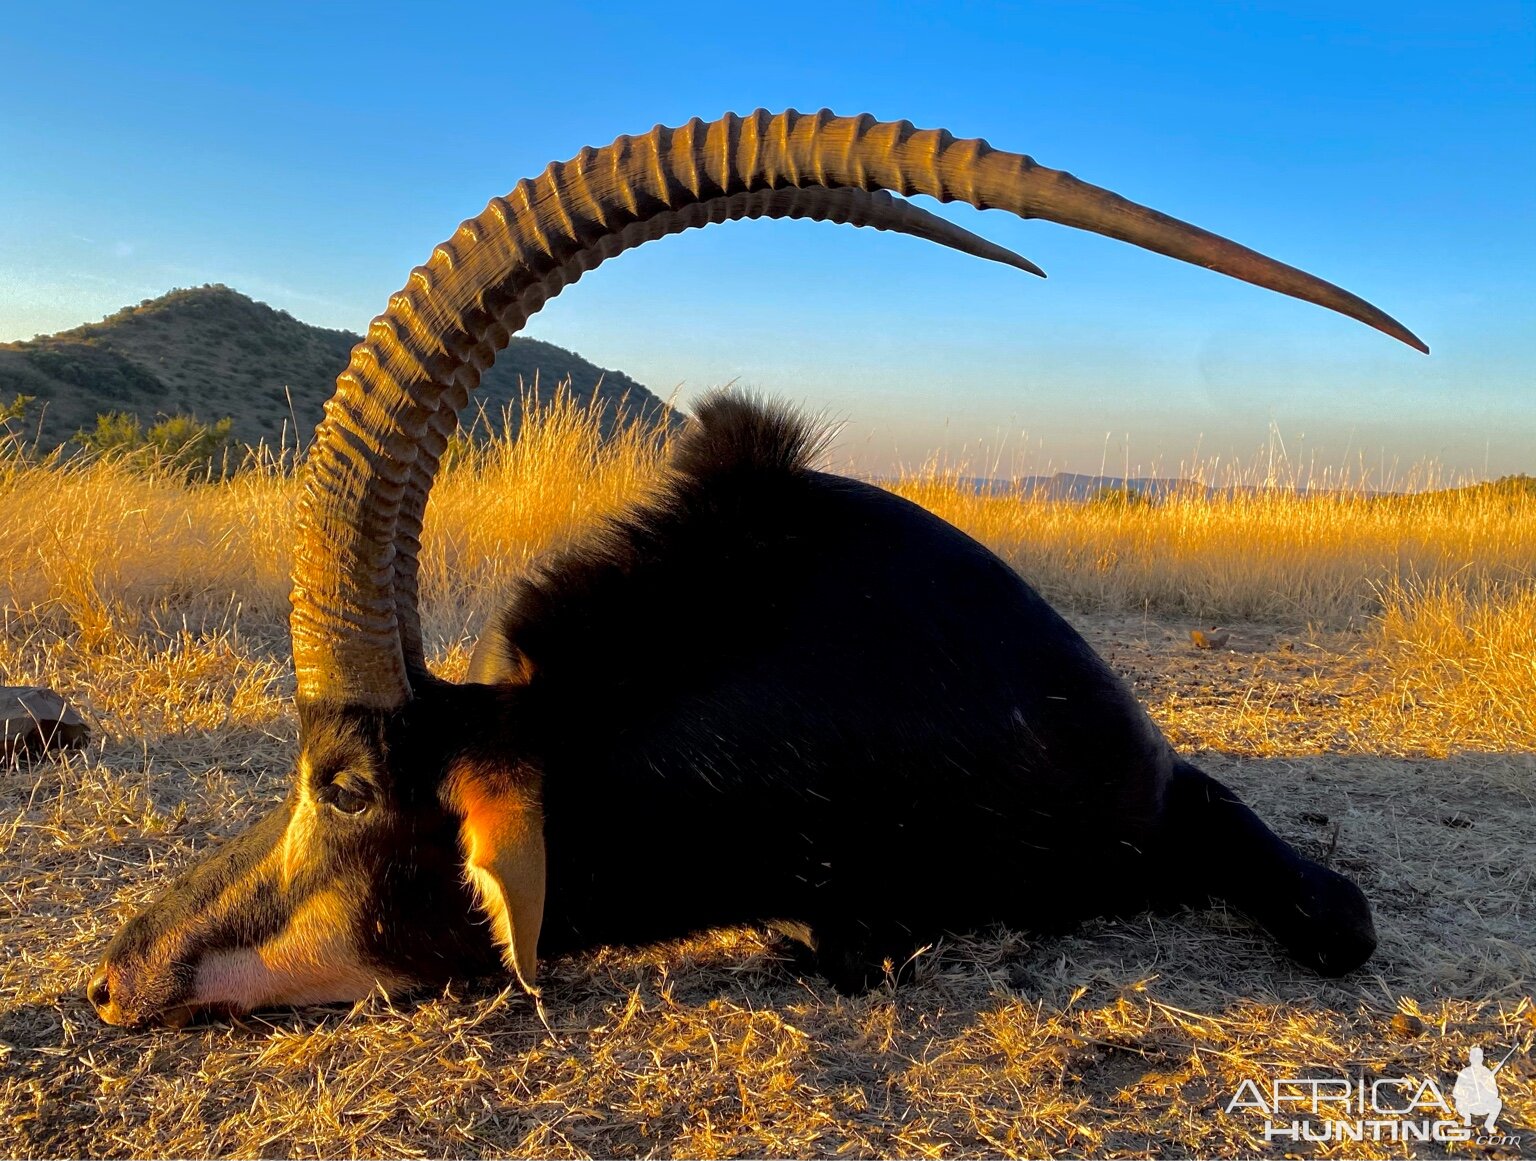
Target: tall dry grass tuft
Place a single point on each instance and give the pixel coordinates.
(153, 602)
(505, 499)
(1323, 559)
(1459, 663)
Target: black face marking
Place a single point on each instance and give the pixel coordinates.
(360, 857)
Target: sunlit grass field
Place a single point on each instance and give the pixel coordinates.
(1376, 702)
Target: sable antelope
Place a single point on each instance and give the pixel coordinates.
(861, 724)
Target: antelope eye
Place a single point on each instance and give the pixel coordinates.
(348, 795)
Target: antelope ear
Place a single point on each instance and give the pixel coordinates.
(501, 832)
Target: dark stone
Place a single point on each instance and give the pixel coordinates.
(34, 720)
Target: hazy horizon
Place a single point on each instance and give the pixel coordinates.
(1389, 149)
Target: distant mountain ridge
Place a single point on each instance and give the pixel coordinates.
(1156, 489)
(213, 352)
(1079, 486)
(1518, 488)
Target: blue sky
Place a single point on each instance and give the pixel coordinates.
(311, 154)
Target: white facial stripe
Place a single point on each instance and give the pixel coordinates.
(299, 838)
(244, 981)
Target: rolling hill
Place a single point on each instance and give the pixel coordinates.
(213, 352)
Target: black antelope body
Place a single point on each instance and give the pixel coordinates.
(859, 723)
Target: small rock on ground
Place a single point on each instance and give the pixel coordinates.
(34, 720)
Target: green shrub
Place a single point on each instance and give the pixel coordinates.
(178, 444)
(13, 435)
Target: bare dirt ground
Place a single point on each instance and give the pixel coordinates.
(1126, 1038)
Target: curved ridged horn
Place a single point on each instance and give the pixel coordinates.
(374, 454)
(846, 205)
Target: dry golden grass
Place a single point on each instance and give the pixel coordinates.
(1376, 702)
(1268, 556)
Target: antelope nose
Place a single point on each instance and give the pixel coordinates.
(99, 991)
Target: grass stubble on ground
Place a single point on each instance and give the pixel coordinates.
(1376, 703)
